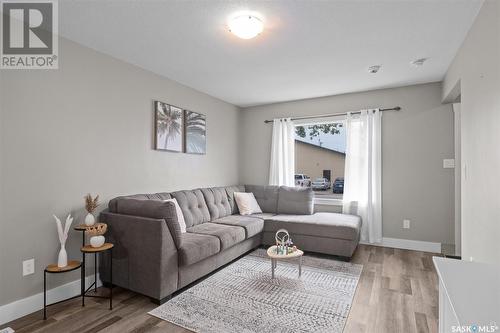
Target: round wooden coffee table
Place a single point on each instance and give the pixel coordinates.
(271, 253)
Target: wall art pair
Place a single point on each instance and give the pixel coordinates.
(179, 130)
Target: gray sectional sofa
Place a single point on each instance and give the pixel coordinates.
(154, 258)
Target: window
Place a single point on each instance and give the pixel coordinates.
(320, 158)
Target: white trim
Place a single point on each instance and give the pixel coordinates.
(328, 202)
(25, 306)
(7, 330)
(409, 244)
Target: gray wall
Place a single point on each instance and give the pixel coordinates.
(88, 127)
(475, 73)
(415, 140)
(3, 251)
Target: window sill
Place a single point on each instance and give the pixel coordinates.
(328, 202)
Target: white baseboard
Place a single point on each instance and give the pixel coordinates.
(25, 306)
(409, 244)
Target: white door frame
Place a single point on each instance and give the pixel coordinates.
(458, 178)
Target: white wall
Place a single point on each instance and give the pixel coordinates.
(415, 140)
(88, 127)
(475, 74)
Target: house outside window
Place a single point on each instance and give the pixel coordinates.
(320, 158)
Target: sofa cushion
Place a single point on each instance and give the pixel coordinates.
(217, 202)
(252, 224)
(155, 209)
(193, 206)
(230, 196)
(152, 196)
(267, 197)
(330, 225)
(228, 235)
(196, 247)
(295, 200)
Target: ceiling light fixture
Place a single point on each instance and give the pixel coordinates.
(374, 69)
(245, 25)
(419, 62)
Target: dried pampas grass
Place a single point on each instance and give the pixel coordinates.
(91, 204)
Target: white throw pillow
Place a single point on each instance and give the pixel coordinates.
(246, 203)
(180, 216)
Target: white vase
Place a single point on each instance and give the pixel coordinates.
(89, 219)
(97, 241)
(62, 259)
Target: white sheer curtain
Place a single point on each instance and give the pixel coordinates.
(363, 172)
(282, 166)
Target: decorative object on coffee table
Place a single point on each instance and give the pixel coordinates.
(96, 233)
(196, 132)
(62, 259)
(91, 205)
(274, 253)
(284, 244)
(88, 249)
(169, 127)
(55, 269)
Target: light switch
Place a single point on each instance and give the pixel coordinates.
(449, 163)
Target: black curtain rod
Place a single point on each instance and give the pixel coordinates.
(396, 108)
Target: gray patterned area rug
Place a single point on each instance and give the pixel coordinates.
(243, 298)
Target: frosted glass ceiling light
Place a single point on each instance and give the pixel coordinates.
(246, 26)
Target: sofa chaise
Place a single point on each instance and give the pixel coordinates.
(154, 258)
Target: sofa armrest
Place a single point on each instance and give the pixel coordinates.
(154, 209)
(144, 257)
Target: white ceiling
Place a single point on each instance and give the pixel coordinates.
(309, 48)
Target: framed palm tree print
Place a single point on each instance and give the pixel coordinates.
(196, 133)
(169, 123)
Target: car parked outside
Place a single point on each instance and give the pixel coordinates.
(302, 180)
(338, 185)
(321, 184)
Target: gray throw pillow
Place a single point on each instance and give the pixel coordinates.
(295, 200)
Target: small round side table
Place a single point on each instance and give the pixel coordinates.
(272, 253)
(87, 249)
(53, 269)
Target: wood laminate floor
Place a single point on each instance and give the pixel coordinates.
(397, 292)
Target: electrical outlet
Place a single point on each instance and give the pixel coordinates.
(406, 224)
(29, 266)
(449, 163)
